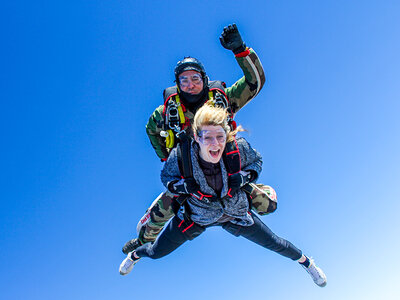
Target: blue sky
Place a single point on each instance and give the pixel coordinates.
(79, 82)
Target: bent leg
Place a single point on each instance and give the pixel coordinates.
(263, 198)
(260, 234)
(156, 216)
(175, 234)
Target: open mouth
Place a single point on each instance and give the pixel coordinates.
(214, 153)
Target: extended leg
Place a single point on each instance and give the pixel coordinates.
(260, 234)
(157, 215)
(175, 234)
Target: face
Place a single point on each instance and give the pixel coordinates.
(191, 82)
(212, 141)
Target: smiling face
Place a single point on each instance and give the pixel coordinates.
(212, 141)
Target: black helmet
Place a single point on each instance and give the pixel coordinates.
(187, 64)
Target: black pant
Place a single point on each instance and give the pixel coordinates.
(179, 231)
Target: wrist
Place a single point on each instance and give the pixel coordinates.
(246, 179)
(250, 176)
(240, 49)
(171, 186)
(244, 53)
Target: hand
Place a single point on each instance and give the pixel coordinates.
(230, 39)
(184, 186)
(237, 180)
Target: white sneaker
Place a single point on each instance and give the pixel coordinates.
(127, 264)
(316, 273)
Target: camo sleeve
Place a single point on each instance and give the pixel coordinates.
(247, 87)
(153, 129)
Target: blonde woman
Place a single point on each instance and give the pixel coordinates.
(214, 195)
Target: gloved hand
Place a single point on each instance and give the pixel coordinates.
(230, 39)
(237, 180)
(184, 186)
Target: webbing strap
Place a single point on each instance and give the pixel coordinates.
(180, 110)
(231, 157)
(210, 96)
(184, 155)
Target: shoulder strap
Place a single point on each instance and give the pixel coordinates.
(173, 115)
(217, 84)
(184, 155)
(231, 157)
(185, 167)
(219, 98)
(168, 92)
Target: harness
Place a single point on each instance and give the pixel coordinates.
(230, 156)
(173, 112)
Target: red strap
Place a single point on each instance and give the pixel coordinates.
(244, 53)
(166, 101)
(188, 227)
(223, 92)
(235, 151)
(233, 173)
(202, 195)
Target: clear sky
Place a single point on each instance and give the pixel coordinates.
(79, 81)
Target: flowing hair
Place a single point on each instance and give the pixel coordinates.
(212, 115)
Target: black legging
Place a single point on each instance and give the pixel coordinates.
(179, 231)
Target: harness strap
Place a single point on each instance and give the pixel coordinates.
(184, 155)
(180, 110)
(231, 157)
(210, 96)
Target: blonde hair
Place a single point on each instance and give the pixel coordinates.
(212, 115)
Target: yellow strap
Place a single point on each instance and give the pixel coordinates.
(170, 139)
(180, 110)
(211, 96)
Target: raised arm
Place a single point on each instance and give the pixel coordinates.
(247, 87)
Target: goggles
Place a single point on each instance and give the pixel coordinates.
(184, 81)
(208, 137)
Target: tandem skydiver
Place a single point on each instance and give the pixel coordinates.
(192, 90)
(220, 165)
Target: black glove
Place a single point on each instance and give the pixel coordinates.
(237, 180)
(230, 39)
(184, 186)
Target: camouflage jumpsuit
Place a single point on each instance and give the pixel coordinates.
(263, 197)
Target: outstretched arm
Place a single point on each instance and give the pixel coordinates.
(247, 87)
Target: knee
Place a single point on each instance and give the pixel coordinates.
(264, 199)
(272, 206)
(232, 228)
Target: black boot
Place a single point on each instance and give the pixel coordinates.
(131, 245)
